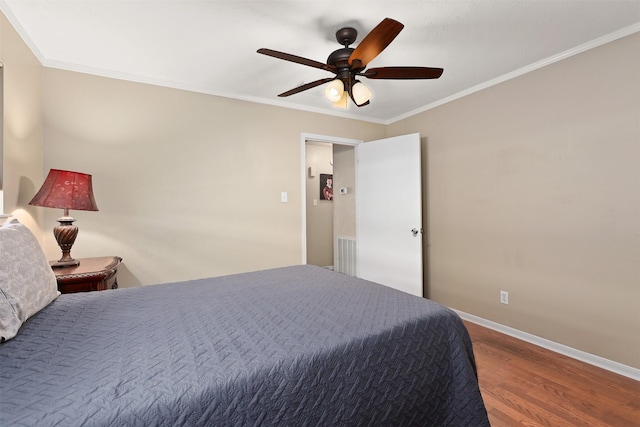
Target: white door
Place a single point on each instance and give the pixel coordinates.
(389, 213)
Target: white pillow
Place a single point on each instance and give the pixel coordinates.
(27, 282)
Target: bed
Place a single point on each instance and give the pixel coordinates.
(290, 346)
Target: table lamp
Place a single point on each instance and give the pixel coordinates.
(66, 190)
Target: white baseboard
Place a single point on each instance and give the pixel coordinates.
(589, 358)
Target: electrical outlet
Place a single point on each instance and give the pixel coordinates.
(504, 297)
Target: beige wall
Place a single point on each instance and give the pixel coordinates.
(344, 205)
(344, 176)
(534, 188)
(188, 185)
(319, 156)
(22, 127)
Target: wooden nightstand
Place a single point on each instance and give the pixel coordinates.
(93, 274)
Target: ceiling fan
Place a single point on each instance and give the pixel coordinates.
(348, 64)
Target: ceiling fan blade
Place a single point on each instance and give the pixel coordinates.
(306, 86)
(375, 42)
(297, 59)
(407, 73)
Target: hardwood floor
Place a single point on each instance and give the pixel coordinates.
(526, 385)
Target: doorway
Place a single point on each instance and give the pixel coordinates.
(319, 201)
(397, 161)
(325, 222)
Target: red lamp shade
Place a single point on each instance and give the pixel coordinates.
(66, 190)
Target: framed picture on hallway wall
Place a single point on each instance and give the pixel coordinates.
(326, 186)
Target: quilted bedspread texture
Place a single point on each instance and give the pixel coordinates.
(292, 346)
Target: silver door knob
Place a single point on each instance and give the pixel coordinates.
(415, 231)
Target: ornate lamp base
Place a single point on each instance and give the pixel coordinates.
(65, 234)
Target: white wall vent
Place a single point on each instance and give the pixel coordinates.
(346, 258)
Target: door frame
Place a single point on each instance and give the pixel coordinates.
(304, 138)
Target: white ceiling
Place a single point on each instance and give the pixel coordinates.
(210, 46)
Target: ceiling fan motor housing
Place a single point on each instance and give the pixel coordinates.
(340, 58)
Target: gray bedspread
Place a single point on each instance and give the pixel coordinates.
(291, 346)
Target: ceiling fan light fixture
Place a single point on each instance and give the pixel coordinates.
(361, 93)
(335, 90)
(342, 102)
